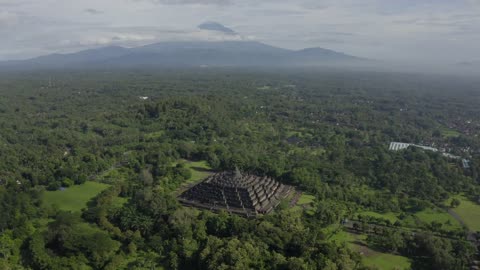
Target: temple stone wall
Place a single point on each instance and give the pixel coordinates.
(235, 193)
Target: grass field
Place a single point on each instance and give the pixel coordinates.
(386, 261)
(390, 216)
(341, 236)
(74, 198)
(200, 170)
(429, 215)
(468, 211)
(449, 133)
(371, 257)
(420, 218)
(305, 199)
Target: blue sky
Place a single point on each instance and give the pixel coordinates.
(434, 31)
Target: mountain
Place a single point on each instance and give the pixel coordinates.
(70, 60)
(186, 54)
(314, 55)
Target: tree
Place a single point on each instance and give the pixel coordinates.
(67, 182)
(146, 177)
(455, 203)
(8, 248)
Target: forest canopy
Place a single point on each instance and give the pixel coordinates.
(325, 132)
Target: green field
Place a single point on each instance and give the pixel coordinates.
(341, 236)
(74, 198)
(200, 170)
(305, 199)
(449, 133)
(389, 216)
(425, 217)
(429, 215)
(468, 211)
(386, 261)
(371, 257)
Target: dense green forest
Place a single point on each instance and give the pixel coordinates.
(127, 138)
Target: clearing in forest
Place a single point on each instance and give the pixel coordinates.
(306, 199)
(75, 197)
(370, 257)
(468, 211)
(392, 217)
(449, 133)
(430, 215)
(419, 219)
(199, 169)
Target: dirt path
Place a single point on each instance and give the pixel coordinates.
(295, 198)
(471, 234)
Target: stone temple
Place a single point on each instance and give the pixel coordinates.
(235, 193)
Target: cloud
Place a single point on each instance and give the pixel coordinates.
(122, 36)
(315, 5)
(93, 11)
(214, 26)
(190, 2)
(11, 3)
(327, 40)
(340, 33)
(8, 19)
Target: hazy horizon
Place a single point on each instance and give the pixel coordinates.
(414, 32)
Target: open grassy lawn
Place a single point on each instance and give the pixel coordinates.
(449, 133)
(200, 170)
(384, 261)
(468, 211)
(420, 218)
(390, 216)
(439, 215)
(341, 236)
(305, 199)
(76, 197)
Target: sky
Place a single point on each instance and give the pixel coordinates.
(434, 31)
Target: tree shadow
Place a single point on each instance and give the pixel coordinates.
(200, 169)
(360, 243)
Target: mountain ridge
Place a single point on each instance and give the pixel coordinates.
(186, 53)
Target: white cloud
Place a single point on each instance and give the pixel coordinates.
(93, 11)
(189, 2)
(8, 19)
